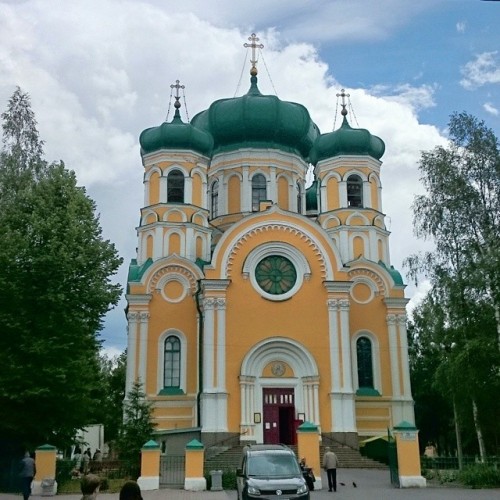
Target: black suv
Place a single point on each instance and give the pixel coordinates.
(270, 471)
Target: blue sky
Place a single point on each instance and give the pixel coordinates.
(99, 72)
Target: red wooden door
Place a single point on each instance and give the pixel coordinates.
(279, 414)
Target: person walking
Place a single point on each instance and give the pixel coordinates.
(27, 473)
(330, 464)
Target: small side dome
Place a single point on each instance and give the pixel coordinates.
(176, 135)
(258, 121)
(347, 141)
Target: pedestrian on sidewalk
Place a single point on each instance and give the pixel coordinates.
(27, 474)
(330, 464)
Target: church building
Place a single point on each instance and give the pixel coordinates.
(257, 301)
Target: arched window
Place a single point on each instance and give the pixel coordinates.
(215, 199)
(175, 187)
(172, 363)
(354, 191)
(258, 191)
(365, 363)
(299, 198)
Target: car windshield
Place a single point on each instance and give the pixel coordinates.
(273, 464)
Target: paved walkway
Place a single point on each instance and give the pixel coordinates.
(370, 484)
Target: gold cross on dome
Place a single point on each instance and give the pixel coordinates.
(254, 45)
(343, 95)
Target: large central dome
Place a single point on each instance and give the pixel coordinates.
(260, 121)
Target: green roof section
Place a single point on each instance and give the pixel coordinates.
(308, 427)
(367, 391)
(176, 135)
(46, 447)
(201, 263)
(150, 445)
(347, 141)
(405, 426)
(194, 444)
(395, 274)
(255, 120)
(136, 272)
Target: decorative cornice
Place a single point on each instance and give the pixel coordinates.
(366, 273)
(279, 228)
(172, 269)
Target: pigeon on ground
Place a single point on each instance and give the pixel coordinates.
(343, 484)
(354, 484)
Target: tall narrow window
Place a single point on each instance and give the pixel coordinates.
(258, 191)
(172, 363)
(354, 191)
(365, 362)
(215, 199)
(175, 187)
(299, 198)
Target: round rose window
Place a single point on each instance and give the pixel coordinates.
(275, 274)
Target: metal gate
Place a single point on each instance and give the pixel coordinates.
(172, 471)
(393, 459)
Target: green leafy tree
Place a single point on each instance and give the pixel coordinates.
(111, 395)
(460, 212)
(55, 288)
(138, 427)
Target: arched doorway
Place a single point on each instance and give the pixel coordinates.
(278, 381)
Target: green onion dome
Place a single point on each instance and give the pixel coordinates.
(258, 121)
(175, 135)
(347, 141)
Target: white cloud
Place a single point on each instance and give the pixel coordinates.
(99, 72)
(483, 70)
(490, 108)
(461, 26)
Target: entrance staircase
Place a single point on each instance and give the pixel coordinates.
(229, 458)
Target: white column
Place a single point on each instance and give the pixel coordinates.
(272, 190)
(163, 189)
(323, 199)
(146, 193)
(334, 345)
(346, 346)
(393, 352)
(343, 194)
(367, 195)
(221, 344)
(143, 348)
(223, 195)
(316, 403)
(405, 365)
(246, 191)
(188, 190)
(132, 318)
(208, 345)
(158, 243)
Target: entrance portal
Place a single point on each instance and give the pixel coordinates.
(279, 416)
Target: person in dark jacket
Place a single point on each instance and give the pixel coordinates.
(27, 473)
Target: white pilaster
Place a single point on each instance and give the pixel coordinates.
(393, 352)
(405, 365)
(346, 346)
(163, 189)
(133, 319)
(272, 190)
(158, 243)
(221, 344)
(143, 347)
(188, 190)
(208, 345)
(334, 345)
(343, 194)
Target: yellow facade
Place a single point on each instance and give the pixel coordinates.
(255, 303)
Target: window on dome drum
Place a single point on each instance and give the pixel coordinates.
(299, 198)
(215, 199)
(175, 187)
(365, 362)
(172, 363)
(354, 191)
(259, 192)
